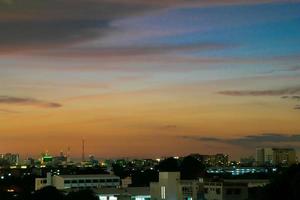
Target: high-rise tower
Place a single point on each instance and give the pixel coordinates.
(83, 154)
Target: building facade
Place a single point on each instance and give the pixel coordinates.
(171, 187)
(63, 182)
(275, 156)
(130, 193)
(10, 158)
(223, 190)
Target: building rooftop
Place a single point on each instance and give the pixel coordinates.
(89, 176)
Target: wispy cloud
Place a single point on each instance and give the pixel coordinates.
(169, 126)
(135, 51)
(297, 107)
(295, 97)
(288, 93)
(274, 92)
(251, 140)
(8, 111)
(286, 69)
(28, 101)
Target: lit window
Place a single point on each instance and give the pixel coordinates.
(163, 192)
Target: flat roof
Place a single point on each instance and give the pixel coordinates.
(89, 176)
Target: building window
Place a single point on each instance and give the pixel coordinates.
(74, 181)
(237, 191)
(205, 190)
(229, 191)
(163, 192)
(88, 181)
(81, 181)
(95, 181)
(218, 191)
(187, 189)
(67, 181)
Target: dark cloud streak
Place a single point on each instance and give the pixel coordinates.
(28, 101)
(34, 24)
(251, 140)
(135, 51)
(297, 107)
(168, 127)
(278, 92)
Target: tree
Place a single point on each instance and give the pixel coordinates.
(284, 186)
(82, 195)
(48, 193)
(143, 178)
(169, 165)
(191, 168)
(119, 170)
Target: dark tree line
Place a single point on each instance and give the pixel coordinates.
(285, 185)
(189, 168)
(51, 193)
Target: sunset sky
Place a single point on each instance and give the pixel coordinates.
(149, 78)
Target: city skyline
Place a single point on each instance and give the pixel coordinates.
(138, 78)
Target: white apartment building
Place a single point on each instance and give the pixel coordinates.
(129, 193)
(62, 182)
(223, 190)
(170, 187)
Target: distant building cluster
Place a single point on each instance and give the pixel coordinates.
(169, 186)
(213, 160)
(9, 159)
(114, 179)
(275, 156)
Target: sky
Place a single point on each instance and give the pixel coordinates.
(139, 78)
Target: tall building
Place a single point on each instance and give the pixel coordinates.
(260, 160)
(11, 159)
(284, 156)
(275, 156)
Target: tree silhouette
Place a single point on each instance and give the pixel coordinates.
(284, 186)
(169, 165)
(48, 193)
(191, 168)
(82, 195)
(119, 170)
